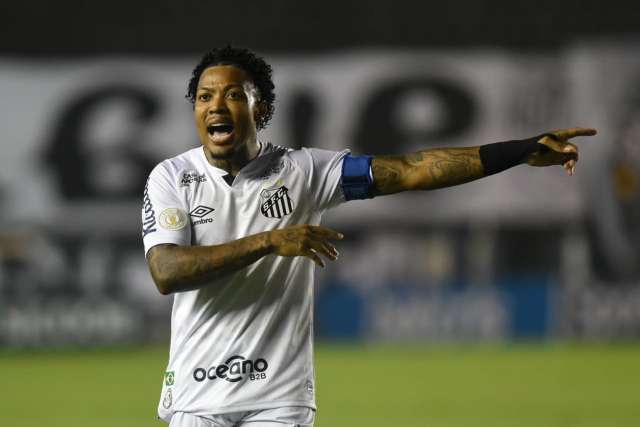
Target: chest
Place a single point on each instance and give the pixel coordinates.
(220, 212)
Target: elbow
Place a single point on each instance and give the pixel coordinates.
(165, 290)
(392, 174)
(409, 179)
(164, 284)
(164, 287)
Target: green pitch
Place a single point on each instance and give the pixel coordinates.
(400, 385)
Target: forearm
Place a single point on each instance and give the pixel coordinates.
(426, 170)
(183, 268)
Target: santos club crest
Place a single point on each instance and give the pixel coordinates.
(276, 202)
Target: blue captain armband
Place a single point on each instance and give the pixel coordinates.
(357, 180)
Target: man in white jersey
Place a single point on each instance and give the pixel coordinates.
(231, 228)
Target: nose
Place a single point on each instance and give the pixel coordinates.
(217, 105)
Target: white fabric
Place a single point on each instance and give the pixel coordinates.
(290, 416)
(259, 318)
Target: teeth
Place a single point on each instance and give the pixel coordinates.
(219, 128)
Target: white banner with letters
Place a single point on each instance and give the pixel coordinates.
(79, 137)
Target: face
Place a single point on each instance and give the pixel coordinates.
(225, 112)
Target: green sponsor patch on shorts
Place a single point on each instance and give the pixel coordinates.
(169, 377)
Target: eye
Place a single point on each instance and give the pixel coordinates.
(204, 97)
(236, 94)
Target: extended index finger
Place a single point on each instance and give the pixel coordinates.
(569, 133)
(327, 232)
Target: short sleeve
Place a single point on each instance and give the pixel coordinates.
(164, 217)
(325, 177)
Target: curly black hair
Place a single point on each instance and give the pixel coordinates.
(259, 71)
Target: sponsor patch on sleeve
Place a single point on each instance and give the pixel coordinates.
(173, 219)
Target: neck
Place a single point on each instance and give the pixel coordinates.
(237, 161)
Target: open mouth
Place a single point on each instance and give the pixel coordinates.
(220, 133)
(220, 129)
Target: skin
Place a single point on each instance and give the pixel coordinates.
(226, 94)
(444, 167)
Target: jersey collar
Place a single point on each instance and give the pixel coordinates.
(263, 149)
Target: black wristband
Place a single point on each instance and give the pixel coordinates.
(500, 156)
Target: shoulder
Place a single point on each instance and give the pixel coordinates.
(307, 157)
(174, 168)
(274, 151)
(318, 159)
(293, 154)
(277, 157)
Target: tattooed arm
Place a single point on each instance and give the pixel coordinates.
(444, 167)
(183, 268)
(426, 170)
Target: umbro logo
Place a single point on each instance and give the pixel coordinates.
(200, 212)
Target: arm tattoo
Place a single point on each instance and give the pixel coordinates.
(385, 173)
(182, 268)
(426, 170)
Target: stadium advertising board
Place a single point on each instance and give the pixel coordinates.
(80, 136)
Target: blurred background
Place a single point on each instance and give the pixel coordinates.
(529, 271)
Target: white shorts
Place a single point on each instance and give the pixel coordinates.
(287, 416)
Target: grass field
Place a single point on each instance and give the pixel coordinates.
(453, 386)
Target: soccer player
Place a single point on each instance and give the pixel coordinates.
(231, 229)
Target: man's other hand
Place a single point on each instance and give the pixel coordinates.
(305, 240)
(559, 150)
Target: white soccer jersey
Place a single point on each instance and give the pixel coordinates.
(245, 341)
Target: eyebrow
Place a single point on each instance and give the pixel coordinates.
(224, 88)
